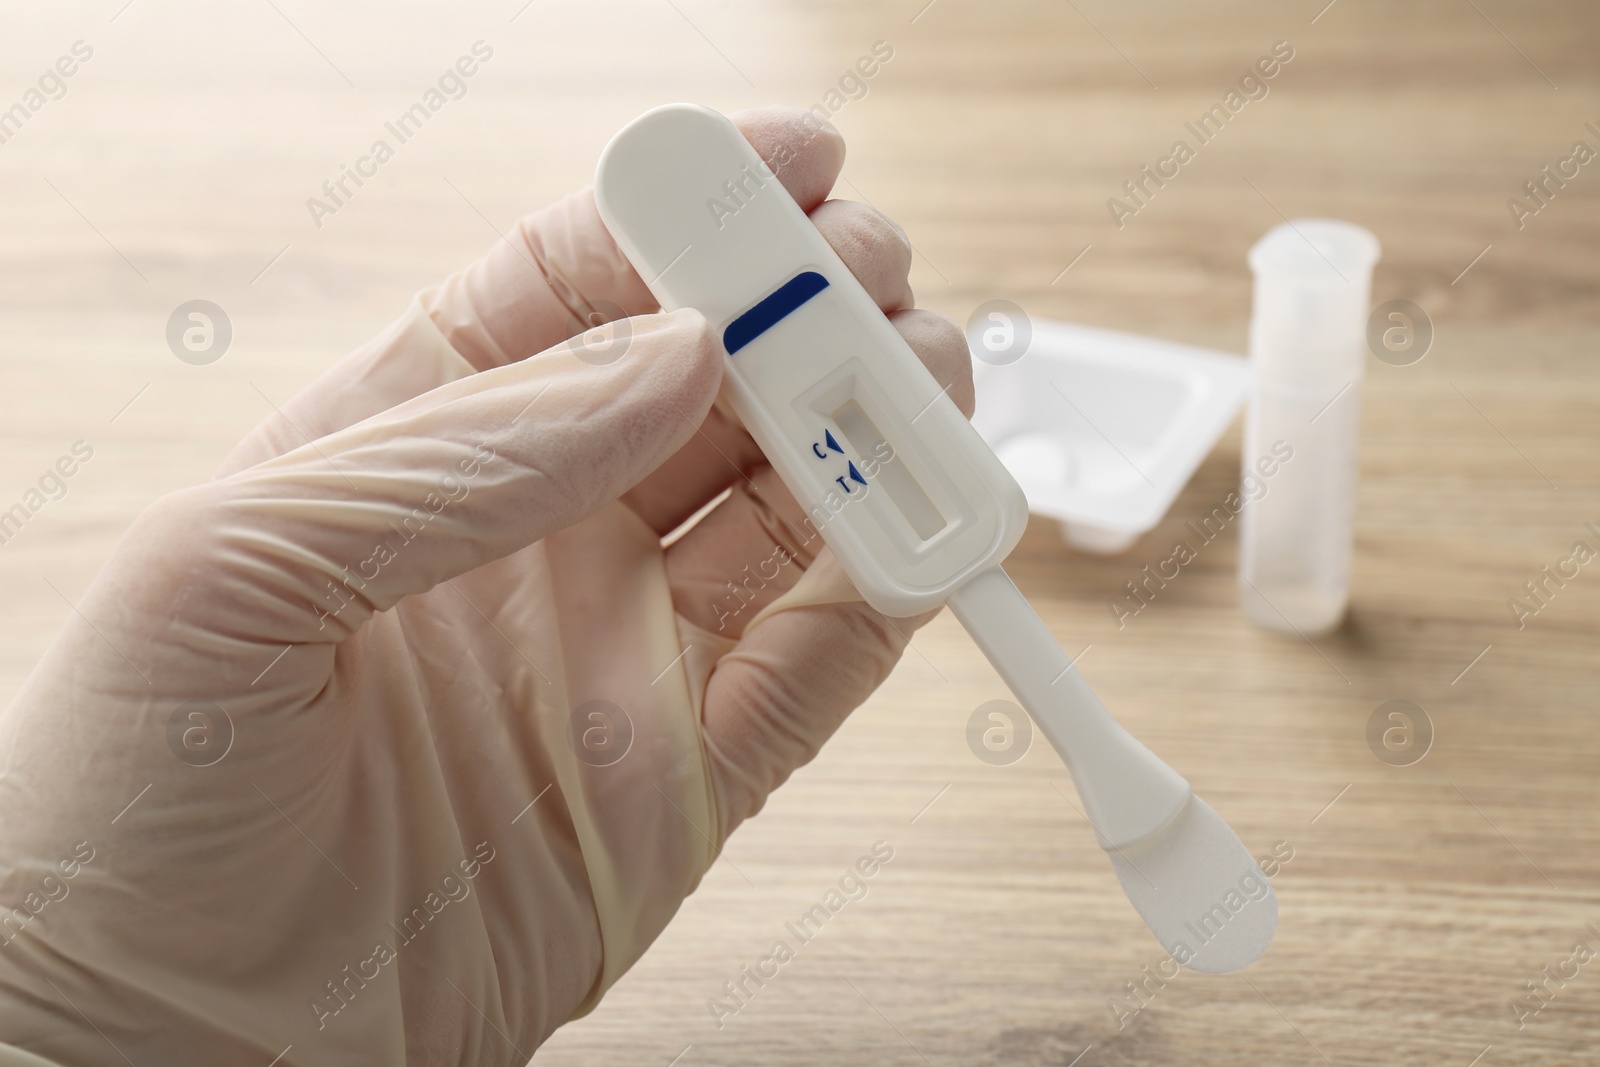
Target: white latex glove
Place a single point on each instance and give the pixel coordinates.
(399, 591)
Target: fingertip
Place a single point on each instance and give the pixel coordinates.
(872, 246)
(682, 347)
(942, 347)
(696, 336)
(689, 319)
(805, 151)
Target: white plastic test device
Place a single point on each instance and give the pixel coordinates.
(915, 505)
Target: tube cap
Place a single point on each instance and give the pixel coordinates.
(1313, 285)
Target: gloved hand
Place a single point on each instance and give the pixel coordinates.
(403, 738)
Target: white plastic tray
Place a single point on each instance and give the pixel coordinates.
(1103, 429)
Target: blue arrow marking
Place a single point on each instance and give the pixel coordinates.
(855, 475)
(828, 437)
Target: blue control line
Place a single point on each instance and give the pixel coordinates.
(773, 310)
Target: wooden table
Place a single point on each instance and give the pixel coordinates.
(1419, 900)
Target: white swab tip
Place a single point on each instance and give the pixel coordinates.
(1200, 891)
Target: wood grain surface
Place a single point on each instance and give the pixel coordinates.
(1419, 901)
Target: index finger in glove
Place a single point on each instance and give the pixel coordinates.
(315, 541)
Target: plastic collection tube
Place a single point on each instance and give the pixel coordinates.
(1313, 283)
